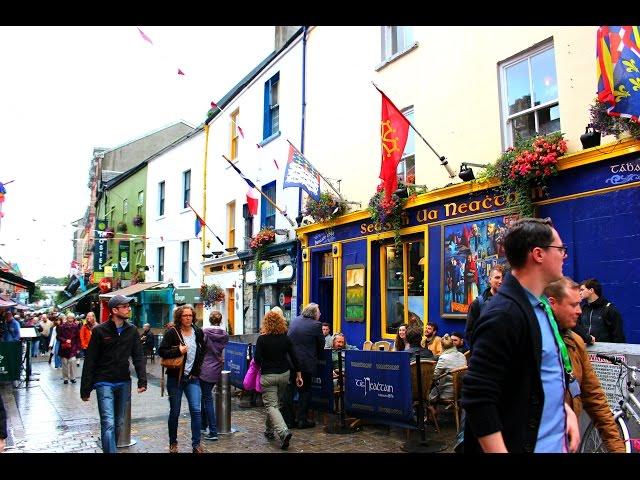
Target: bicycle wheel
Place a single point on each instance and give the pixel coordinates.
(592, 443)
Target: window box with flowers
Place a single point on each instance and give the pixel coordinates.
(529, 164)
(211, 294)
(138, 221)
(327, 208)
(258, 243)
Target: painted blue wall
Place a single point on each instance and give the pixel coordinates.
(353, 253)
(603, 236)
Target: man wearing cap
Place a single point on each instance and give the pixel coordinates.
(106, 368)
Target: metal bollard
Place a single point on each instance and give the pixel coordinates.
(124, 435)
(223, 403)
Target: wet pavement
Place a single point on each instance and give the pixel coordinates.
(49, 416)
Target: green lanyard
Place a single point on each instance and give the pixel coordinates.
(556, 333)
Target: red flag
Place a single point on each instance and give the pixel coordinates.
(214, 105)
(144, 36)
(180, 72)
(394, 129)
(252, 201)
(240, 131)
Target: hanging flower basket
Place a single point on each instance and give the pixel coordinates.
(328, 207)
(258, 243)
(388, 212)
(608, 124)
(138, 221)
(121, 227)
(529, 164)
(211, 294)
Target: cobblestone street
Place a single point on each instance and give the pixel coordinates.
(49, 416)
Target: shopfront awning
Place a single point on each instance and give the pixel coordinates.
(74, 300)
(6, 303)
(130, 290)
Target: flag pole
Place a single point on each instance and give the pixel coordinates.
(284, 214)
(443, 159)
(205, 224)
(321, 176)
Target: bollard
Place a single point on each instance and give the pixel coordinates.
(223, 403)
(124, 435)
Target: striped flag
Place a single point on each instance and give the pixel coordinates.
(249, 182)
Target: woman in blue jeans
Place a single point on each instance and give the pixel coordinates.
(215, 339)
(184, 338)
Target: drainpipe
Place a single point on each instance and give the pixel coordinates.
(299, 284)
(204, 194)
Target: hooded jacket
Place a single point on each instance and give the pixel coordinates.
(215, 339)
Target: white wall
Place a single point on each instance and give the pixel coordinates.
(177, 223)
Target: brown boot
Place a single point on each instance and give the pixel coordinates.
(198, 449)
(173, 448)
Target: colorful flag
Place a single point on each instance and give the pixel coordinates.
(618, 69)
(252, 201)
(249, 182)
(300, 173)
(394, 128)
(199, 224)
(144, 36)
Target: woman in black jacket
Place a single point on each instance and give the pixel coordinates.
(185, 339)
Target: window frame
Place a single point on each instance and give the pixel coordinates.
(506, 118)
(248, 225)
(125, 209)
(231, 224)
(270, 107)
(161, 197)
(264, 205)
(160, 259)
(234, 143)
(186, 188)
(140, 202)
(184, 262)
(388, 40)
(401, 170)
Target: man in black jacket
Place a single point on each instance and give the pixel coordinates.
(106, 368)
(496, 275)
(600, 320)
(513, 392)
(305, 333)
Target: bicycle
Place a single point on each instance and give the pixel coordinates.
(627, 408)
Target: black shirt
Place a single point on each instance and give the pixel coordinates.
(271, 354)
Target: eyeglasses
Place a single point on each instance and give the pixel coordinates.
(561, 248)
(127, 306)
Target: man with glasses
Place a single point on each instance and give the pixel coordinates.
(514, 390)
(106, 368)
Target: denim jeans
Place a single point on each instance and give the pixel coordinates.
(57, 360)
(175, 389)
(112, 402)
(209, 413)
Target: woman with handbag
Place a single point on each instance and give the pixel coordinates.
(182, 352)
(272, 348)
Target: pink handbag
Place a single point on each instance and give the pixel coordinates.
(252, 378)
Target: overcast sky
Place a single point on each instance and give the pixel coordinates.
(65, 90)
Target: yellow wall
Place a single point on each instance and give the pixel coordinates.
(451, 78)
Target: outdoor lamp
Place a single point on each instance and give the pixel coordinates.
(404, 192)
(281, 231)
(466, 173)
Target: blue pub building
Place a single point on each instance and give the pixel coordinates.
(452, 236)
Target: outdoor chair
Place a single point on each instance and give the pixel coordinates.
(457, 374)
(386, 346)
(367, 345)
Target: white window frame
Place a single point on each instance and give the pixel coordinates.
(506, 118)
(401, 171)
(388, 40)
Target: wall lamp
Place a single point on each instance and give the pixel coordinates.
(466, 173)
(404, 192)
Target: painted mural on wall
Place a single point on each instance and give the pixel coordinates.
(470, 249)
(354, 306)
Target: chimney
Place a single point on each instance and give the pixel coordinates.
(283, 34)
